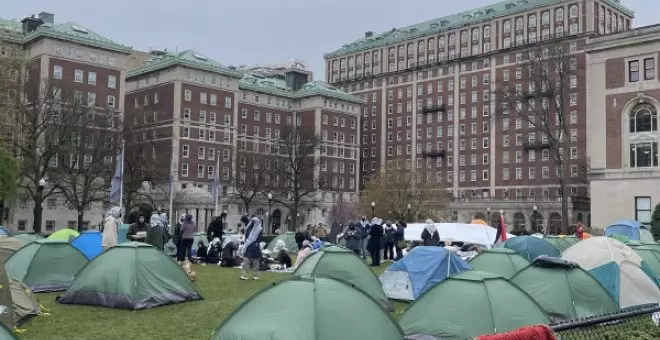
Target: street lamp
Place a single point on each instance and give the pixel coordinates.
(39, 205)
(408, 213)
(534, 221)
(373, 209)
(270, 202)
(488, 215)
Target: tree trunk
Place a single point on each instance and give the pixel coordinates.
(564, 193)
(81, 214)
(37, 215)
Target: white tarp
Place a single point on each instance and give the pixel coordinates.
(460, 232)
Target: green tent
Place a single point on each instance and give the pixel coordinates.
(24, 301)
(651, 257)
(65, 234)
(26, 238)
(170, 248)
(46, 265)
(200, 237)
(654, 246)
(289, 239)
(8, 246)
(500, 261)
(310, 308)
(6, 306)
(531, 247)
(131, 275)
(340, 263)
(561, 243)
(6, 333)
(564, 290)
(470, 304)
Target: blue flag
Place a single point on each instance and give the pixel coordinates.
(116, 183)
(216, 183)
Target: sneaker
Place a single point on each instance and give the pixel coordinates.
(255, 278)
(243, 278)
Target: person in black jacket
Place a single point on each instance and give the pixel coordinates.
(301, 235)
(215, 228)
(390, 240)
(430, 235)
(374, 244)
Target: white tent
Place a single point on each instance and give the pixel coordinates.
(462, 232)
(618, 268)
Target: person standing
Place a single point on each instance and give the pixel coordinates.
(251, 249)
(353, 237)
(400, 240)
(111, 228)
(137, 232)
(215, 229)
(430, 235)
(186, 238)
(389, 241)
(157, 234)
(365, 229)
(301, 235)
(375, 238)
(580, 230)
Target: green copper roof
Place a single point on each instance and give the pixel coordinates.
(451, 22)
(12, 30)
(277, 87)
(188, 58)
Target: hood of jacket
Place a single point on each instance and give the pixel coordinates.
(155, 220)
(430, 227)
(164, 219)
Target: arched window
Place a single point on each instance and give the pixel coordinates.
(475, 34)
(507, 26)
(431, 44)
(643, 118)
(559, 14)
(420, 46)
(545, 18)
(487, 32)
(532, 20)
(335, 65)
(573, 11)
(464, 36)
(441, 42)
(519, 24)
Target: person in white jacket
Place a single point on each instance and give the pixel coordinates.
(111, 228)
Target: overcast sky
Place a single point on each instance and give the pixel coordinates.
(256, 31)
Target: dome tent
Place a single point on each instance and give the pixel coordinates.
(89, 243)
(8, 246)
(24, 302)
(420, 270)
(630, 229)
(317, 308)
(341, 263)
(624, 274)
(651, 257)
(500, 261)
(46, 265)
(132, 276)
(561, 242)
(531, 247)
(65, 234)
(6, 333)
(289, 239)
(27, 238)
(503, 307)
(7, 316)
(563, 289)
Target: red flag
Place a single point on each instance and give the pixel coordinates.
(502, 229)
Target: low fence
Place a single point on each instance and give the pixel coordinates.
(635, 323)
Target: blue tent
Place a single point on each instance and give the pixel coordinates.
(4, 231)
(531, 247)
(630, 229)
(420, 270)
(89, 243)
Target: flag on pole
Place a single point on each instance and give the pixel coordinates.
(116, 183)
(216, 184)
(502, 228)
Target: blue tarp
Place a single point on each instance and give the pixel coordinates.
(426, 267)
(4, 231)
(89, 243)
(608, 275)
(531, 247)
(629, 228)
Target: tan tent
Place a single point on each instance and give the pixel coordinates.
(25, 302)
(6, 309)
(8, 246)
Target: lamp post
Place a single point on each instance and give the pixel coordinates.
(534, 222)
(373, 209)
(297, 219)
(39, 206)
(408, 217)
(488, 215)
(270, 211)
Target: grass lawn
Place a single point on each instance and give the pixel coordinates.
(222, 291)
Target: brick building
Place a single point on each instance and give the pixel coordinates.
(457, 62)
(202, 115)
(73, 59)
(622, 120)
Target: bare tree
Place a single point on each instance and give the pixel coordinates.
(249, 179)
(398, 186)
(343, 212)
(299, 189)
(84, 173)
(39, 117)
(544, 103)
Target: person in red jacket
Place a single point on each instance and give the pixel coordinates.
(580, 230)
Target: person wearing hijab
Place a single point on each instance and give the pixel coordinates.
(215, 229)
(375, 238)
(157, 235)
(365, 229)
(353, 238)
(279, 245)
(251, 249)
(430, 235)
(187, 237)
(137, 232)
(389, 241)
(166, 223)
(304, 251)
(111, 228)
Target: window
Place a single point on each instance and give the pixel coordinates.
(573, 11)
(57, 72)
(184, 170)
(78, 76)
(201, 152)
(112, 82)
(187, 95)
(185, 151)
(91, 78)
(228, 102)
(91, 99)
(203, 98)
(633, 70)
(643, 118)
(643, 209)
(186, 113)
(643, 155)
(213, 99)
(649, 68)
(111, 102)
(50, 225)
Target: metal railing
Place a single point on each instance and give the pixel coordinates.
(640, 322)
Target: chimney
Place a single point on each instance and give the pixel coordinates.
(368, 34)
(47, 18)
(30, 24)
(296, 79)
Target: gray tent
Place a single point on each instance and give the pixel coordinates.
(6, 309)
(24, 301)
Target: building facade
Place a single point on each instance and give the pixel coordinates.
(73, 59)
(207, 119)
(622, 120)
(457, 63)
